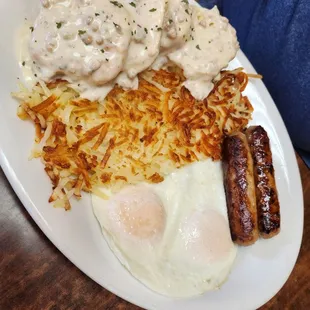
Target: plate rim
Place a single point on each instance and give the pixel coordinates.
(29, 205)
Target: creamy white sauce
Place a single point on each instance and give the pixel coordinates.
(81, 40)
(24, 58)
(176, 29)
(94, 44)
(147, 21)
(93, 92)
(176, 25)
(212, 43)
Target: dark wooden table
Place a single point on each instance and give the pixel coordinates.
(35, 275)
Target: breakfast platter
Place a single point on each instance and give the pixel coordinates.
(146, 147)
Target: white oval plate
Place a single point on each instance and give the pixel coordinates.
(259, 271)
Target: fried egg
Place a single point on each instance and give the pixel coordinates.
(173, 236)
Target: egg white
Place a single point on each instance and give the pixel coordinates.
(173, 236)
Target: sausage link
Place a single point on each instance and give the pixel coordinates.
(240, 190)
(268, 207)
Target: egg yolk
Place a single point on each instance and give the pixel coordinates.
(207, 237)
(141, 213)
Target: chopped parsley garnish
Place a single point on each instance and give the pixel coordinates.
(23, 63)
(153, 10)
(145, 29)
(58, 25)
(116, 3)
(185, 1)
(211, 24)
(82, 32)
(102, 51)
(106, 59)
(170, 21)
(198, 47)
(159, 29)
(97, 14)
(187, 11)
(31, 28)
(132, 4)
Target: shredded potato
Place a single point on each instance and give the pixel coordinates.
(133, 136)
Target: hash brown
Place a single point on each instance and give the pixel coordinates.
(134, 135)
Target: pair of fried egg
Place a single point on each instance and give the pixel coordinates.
(173, 236)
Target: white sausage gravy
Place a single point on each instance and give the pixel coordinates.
(94, 44)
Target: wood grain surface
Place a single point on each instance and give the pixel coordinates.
(35, 275)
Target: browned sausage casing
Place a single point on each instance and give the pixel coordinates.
(268, 207)
(240, 190)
